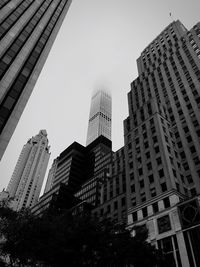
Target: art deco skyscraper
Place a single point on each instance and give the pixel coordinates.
(100, 116)
(162, 143)
(28, 29)
(163, 127)
(26, 181)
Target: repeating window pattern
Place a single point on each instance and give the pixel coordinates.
(3, 3)
(169, 75)
(11, 98)
(9, 21)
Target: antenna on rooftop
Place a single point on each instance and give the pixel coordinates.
(171, 16)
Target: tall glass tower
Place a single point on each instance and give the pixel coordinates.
(28, 29)
(100, 116)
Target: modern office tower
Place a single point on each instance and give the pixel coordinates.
(28, 29)
(26, 182)
(100, 116)
(162, 143)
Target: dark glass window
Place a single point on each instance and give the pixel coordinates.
(161, 173)
(144, 212)
(163, 187)
(155, 207)
(151, 178)
(166, 202)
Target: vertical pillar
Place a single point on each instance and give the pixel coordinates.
(182, 249)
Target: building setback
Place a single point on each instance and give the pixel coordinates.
(27, 178)
(162, 143)
(100, 116)
(28, 29)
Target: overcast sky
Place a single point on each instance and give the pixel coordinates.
(97, 46)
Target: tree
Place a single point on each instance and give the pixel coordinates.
(66, 240)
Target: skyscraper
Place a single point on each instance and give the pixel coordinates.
(26, 181)
(162, 143)
(100, 116)
(28, 29)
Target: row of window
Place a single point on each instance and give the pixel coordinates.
(155, 208)
(18, 43)
(12, 18)
(17, 87)
(3, 3)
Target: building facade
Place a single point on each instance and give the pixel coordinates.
(100, 116)
(162, 141)
(112, 190)
(26, 181)
(100, 154)
(70, 169)
(27, 31)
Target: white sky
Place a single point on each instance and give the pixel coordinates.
(97, 46)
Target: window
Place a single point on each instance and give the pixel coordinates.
(151, 122)
(140, 171)
(166, 202)
(144, 212)
(137, 141)
(133, 188)
(189, 179)
(149, 166)
(123, 201)
(174, 173)
(163, 187)
(185, 166)
(133, 200)
(134, 216)
(144, 135)
(142, 183)
(131, 165)
(196, 160)
(146, 144)
(186, 129)
(155, 207)
(153, 192)
(161, 173)
(153, 130)
(159, 161)
(192, 149)
(131, 176)
(182, 154)
(189, 139)
(115, 205)
(155, 139)
(143, 197)
(157, 150)
(151, 178)
(147, 154)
